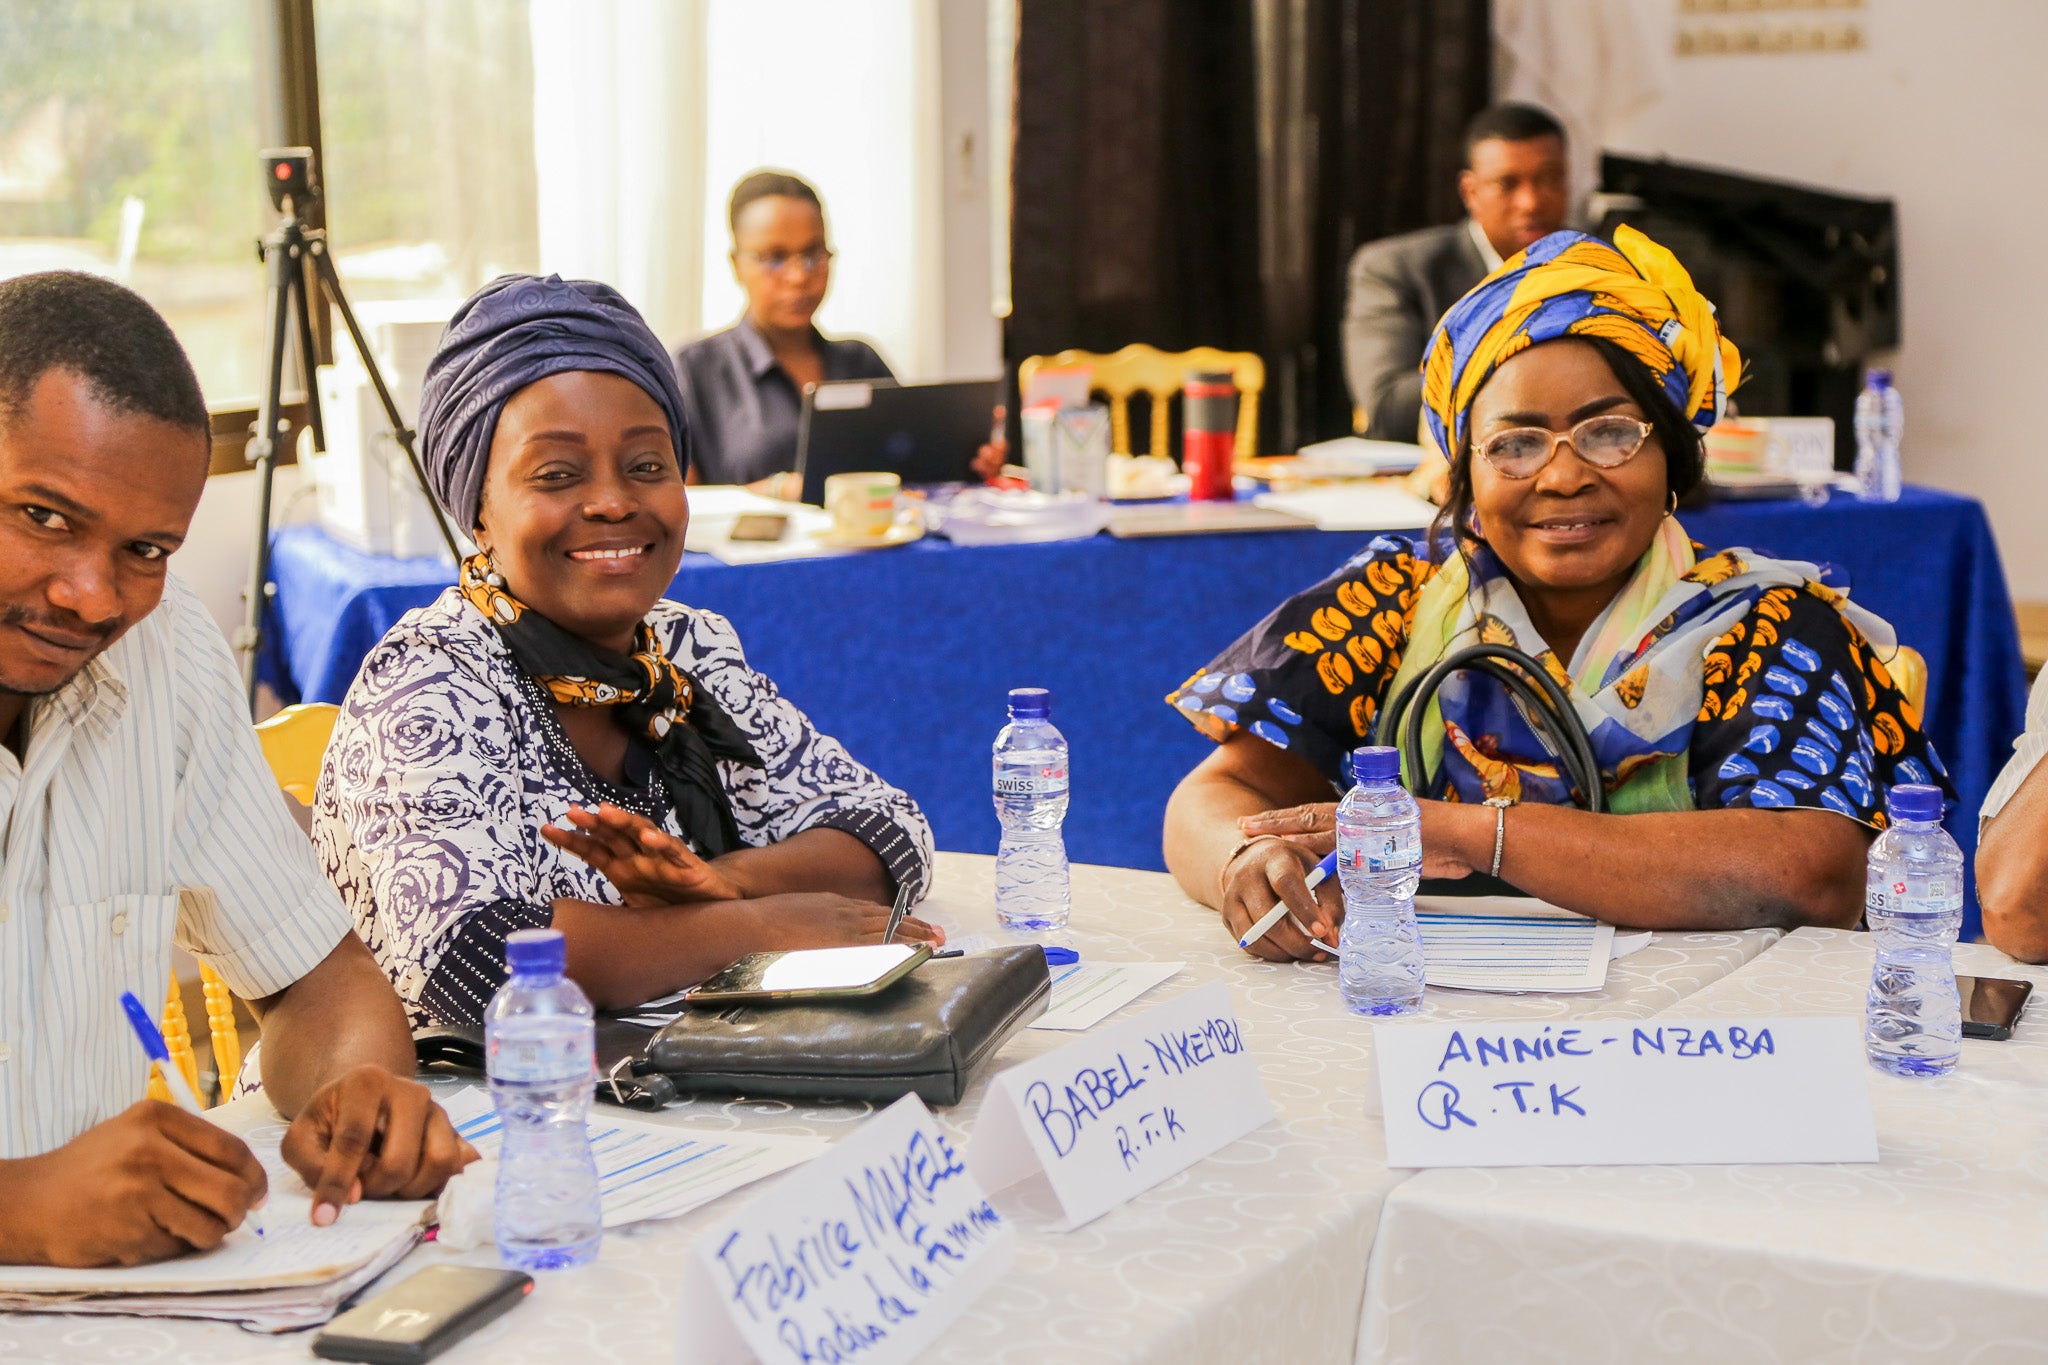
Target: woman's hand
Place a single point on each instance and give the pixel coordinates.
(645, 862)
(1448, 833)
(820, 919)
(1263, 875)
(1313, 826)
(988, 461)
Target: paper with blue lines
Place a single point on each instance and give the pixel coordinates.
(652, 1170)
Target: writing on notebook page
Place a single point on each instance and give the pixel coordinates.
(293, 1253)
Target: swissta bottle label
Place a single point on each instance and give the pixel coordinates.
(1935, 896)
(557, 1055)
(1394, 851)
(1049, 779)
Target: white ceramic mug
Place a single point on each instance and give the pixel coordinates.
(863, 505)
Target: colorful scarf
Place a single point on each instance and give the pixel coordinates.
(1633, 293)
(654, 700)
(1637, 680)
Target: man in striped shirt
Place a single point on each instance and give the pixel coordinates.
(136, 811)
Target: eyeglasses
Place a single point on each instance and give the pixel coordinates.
(1605, 442)
(775, 262)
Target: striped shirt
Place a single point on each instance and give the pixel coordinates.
(141, 780)
(2027, 751)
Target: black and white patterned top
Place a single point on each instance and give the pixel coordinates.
(447, 760)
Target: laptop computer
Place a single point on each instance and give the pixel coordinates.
(926, 433)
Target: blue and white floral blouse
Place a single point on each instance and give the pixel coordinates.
(447, 760)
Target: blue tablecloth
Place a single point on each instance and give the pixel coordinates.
(906, 654)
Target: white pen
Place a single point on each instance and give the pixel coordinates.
(1318, 874)
(174, 1076)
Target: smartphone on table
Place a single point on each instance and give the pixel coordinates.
(421, 1316)
(1992, 1004)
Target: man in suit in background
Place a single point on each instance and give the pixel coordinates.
(1514, 187)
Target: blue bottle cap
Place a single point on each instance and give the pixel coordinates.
(1376, 763)
(1878, 378)
(1056, 956)
(1913, 801)
(1030, 703)
(536, 952)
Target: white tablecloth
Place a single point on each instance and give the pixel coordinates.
(1257, 1253)
(1938, 1252)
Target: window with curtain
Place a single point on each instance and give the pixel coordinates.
(846, 96)
(467, 138)
(427, 120)
(127, 148)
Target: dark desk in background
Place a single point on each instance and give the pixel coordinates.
(906, 654)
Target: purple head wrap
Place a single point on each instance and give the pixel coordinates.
(513, 331)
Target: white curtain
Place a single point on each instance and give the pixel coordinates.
(846, 96)
(1592, 63)
(619, 137)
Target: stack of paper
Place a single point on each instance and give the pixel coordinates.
(1086, 993)
(296, 1275)
(651, 1170)
(1509, 943)
(1355, 457)
(1354, 507)
(716, 508)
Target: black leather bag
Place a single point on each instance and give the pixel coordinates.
(926, 1035)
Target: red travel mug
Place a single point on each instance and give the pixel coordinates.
(1208, 434)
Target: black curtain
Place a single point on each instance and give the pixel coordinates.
(1132, 214)
(1198, 172)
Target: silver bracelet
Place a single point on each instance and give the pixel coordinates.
(1500, 806)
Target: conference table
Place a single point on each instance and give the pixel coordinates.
(1258, 1252)
(906, 654)
(1297, 1242)
(1937, 1253)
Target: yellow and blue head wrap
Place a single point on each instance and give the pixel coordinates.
(1633, 293)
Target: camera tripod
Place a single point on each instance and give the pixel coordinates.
(285, 253)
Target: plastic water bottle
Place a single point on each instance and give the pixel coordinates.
(1913, 903)
(1031, 801)
(539, 1046)
(1880, 426)
(1379, 862)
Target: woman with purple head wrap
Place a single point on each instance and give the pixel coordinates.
(555, 743)
(513, 331)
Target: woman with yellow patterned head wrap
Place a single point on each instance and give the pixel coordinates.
(1633, 293)
(1744, 727)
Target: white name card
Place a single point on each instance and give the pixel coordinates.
(1113, 1114)
(867, 1253)
(1661, 1091)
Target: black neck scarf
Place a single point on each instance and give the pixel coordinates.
(652, 698)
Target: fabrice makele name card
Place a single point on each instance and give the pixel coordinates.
(867, 1253)
(1116, 1112)
(1659, 1092)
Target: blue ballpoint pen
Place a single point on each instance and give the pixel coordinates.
(153, 1043)
(1319, 874)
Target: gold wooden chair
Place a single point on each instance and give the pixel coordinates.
(1909, 670)
(1147, 369)
(294, 741)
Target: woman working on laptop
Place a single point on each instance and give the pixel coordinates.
(742, 387)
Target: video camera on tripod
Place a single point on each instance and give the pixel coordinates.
(292, 178)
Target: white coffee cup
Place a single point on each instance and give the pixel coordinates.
(863, 504)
